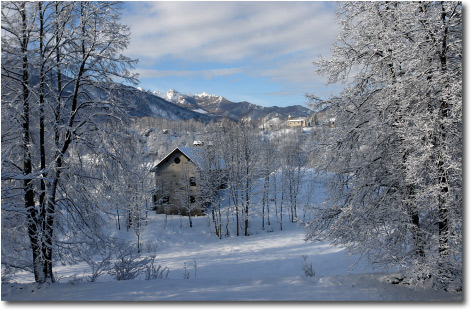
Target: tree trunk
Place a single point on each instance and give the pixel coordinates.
(247, 202)
(275, 197)
(47, 221)
(32, 215)
(215, 222)
(57, 111)
(443, 179)
(117, 213)
(281, 205)
(263, 211)
(42, 150)
(189, 217)
(236, 204)
(220, 216)
(268, 199)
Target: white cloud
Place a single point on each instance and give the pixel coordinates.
(226, 31)
(277, 40)
(210, 73)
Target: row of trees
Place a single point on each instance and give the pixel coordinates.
(258, 171)
(395, 158)
(61, 115)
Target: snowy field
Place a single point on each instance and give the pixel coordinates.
(266, 266)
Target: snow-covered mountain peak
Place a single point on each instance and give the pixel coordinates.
(172, 94)
(159, 94)
(205, 94)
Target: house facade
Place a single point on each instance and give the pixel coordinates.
(178, 188)
(176, 184)
(299, 122)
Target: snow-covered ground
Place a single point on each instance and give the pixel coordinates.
(263, 266)
(266, 265)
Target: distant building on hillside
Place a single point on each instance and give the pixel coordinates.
(198, 143)
(332, 122)
(299, 122)
(178, 181)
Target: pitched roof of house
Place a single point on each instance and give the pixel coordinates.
(194, 154)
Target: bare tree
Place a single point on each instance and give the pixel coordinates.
(80, 42)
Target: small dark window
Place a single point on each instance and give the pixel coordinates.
(177, 160)
(192, 199)
(164, 200)
(192, 181)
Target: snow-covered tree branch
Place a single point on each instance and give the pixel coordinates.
(396, 155)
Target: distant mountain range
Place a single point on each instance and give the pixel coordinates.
(218, 106)
(203, 107)
(144, 103)
(174, 105)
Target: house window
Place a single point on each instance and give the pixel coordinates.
(192, 199)
(177, 160)
(164, 200)
(192, 181)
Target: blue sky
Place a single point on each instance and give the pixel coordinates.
(261, 52)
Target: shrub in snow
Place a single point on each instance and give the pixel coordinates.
(151, 247)
(7, 273)
(98, 259)
(152, 272)
(307, 268)
(74, 280)
(98, 268)
(128, 264)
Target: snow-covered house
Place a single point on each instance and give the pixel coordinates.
(299, 122)
(178, 181)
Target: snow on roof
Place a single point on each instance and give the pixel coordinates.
(195, 154)
(295, 120)
(198, 155)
